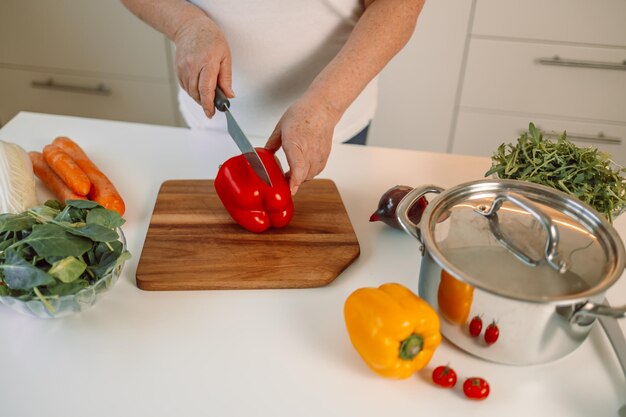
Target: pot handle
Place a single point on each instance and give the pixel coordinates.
(402, 211)
(588, 311)
(586, 314)
(551, 249)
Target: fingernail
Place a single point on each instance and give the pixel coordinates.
(294, 190)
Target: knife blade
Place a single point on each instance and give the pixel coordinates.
(223, 104)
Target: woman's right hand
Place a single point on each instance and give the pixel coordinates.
(203, 61)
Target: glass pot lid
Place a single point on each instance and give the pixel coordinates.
(522, 241)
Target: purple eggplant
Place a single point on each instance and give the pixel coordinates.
(386, 211)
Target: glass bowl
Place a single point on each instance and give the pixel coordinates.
(68, 304)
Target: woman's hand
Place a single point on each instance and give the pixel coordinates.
(305, 133)
(203, 61)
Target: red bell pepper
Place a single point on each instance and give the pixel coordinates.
(251, 202)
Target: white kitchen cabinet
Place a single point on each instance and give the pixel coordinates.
(598, 22)
(418, 87)
(111, 98)
(487, 130)
(506, 75)
(561, 65)
(76, 46)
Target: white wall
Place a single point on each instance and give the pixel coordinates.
(419, 86)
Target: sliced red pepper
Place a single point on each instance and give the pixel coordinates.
(251, 202)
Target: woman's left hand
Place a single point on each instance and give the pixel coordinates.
(305, 133)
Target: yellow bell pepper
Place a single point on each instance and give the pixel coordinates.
(395, 331)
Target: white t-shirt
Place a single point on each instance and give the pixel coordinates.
(278, 47)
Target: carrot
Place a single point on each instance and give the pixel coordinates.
(66, 168)
(102, 189)
(51, 180)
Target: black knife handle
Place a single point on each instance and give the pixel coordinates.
(221, 101)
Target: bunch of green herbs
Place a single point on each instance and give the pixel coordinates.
(50, 251)
(585, 173)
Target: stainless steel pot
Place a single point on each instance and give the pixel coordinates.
(526, 257)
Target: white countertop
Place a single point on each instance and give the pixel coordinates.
(261, 352)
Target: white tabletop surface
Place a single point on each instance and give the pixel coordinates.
(266, 352)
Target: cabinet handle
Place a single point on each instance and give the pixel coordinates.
(50, 84)
(599, 138)
(558, 61)
(579, 137)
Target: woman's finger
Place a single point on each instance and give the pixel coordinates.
(206, 88)
(225, 77)
(194, 82)
(315, 168)
(274, 141)
(319, 163)
(296, 178)
(299, 168)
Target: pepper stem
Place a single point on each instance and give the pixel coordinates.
(411, 346)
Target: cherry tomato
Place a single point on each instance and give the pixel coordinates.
(492, 332)
(444, 376)
(476, 388)
(475, 326)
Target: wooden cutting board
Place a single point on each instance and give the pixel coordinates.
(193, 244)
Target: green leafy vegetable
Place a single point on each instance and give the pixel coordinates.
(68, 269)
(585, 173)
(15, 222)
(43, 213)
(109, 262)
(106, 218)
(20, 274)
(95, 232)
(52, 240)
(83, 204)
(53, 250)
(61, 288)
(54, 204)
(105, 247)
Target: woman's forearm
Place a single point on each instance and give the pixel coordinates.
(166, 16)
(381, 32)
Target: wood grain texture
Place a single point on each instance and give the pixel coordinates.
(193, 244)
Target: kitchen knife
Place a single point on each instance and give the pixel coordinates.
(223, 104)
